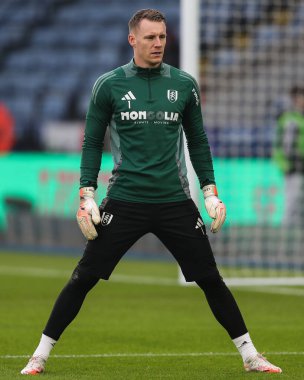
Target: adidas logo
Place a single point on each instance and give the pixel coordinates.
(200, 225)
(128, 97)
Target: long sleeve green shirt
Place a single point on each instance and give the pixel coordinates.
(147, 111)
(288, 151)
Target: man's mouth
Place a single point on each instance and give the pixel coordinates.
(157, 53)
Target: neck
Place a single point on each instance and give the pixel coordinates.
(146, 66)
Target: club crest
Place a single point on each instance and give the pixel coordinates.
(172, 95)
(106, 218)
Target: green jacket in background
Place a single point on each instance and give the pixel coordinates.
(288, 150)
(146, 111)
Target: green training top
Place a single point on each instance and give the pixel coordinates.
(288, 150)
(146, 111)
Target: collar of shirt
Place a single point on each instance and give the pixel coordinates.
(146, 72)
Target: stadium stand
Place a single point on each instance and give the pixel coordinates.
(50, 53)
(251, 56)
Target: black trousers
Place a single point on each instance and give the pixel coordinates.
(179, 226)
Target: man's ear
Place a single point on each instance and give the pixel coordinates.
(132, 40)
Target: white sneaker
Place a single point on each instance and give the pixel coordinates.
(259, 364)
(35, 366)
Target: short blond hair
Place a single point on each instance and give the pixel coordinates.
(148, 14)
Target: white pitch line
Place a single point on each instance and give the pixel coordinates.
(287, 291)
(151, 355)
(265, 281)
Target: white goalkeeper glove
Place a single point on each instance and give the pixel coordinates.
(215, 207)
(88, 213)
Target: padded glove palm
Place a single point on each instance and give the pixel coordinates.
(215, 207)
(88, 213)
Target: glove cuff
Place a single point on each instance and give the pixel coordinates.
(86, 192)
(209, 190)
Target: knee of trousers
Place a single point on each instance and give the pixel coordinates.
(210, 282)
(82, 279)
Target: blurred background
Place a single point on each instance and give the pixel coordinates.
(251, 78)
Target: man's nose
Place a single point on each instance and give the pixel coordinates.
(158, 41)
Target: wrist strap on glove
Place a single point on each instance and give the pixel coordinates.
(209, 190)
(87, 192)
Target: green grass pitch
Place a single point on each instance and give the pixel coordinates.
(141, 325)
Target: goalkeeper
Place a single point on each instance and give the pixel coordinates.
(147, 105)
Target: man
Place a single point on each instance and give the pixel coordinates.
(147, 105)
(289, 156)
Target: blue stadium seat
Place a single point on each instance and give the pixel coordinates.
(266, 35)
(22, 108)
(54, 106)
(299, 16)
(226, 58)
(14, 83)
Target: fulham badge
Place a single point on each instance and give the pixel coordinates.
(106, 218)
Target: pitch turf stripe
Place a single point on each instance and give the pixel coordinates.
(33, 272)
(151, 355)
(150, 280)
(50, 273)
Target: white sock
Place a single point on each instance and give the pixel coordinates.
(245, 346)
(44, 347)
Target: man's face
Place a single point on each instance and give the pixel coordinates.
(148, 41)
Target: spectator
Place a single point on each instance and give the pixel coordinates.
(288, 154)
